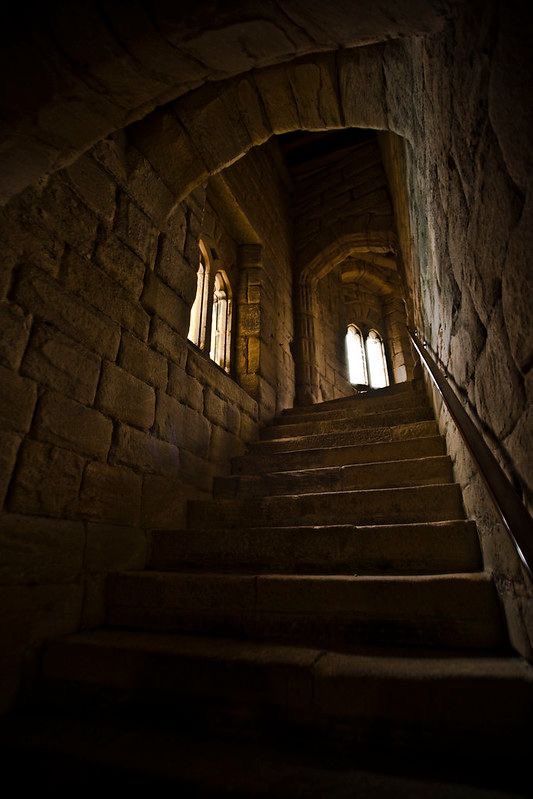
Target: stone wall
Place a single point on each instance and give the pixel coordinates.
(89, 346)
(331, 330)
(344, 297)
(109, 418)
(467, 249)
(264, 358)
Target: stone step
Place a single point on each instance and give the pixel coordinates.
(458, 610)
(428, 503)
(366, 435)
(357, 408)
(401, 392)
(368, 693)
(388, 474)
(84, 745)
(438, 547)
(362, 421)
(408, 449)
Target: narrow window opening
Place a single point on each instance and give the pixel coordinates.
(198, 319)
(377, 362)
(355, 353)
(221, 322)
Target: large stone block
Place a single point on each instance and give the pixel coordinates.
(14, 333)
(113, 547)
(185, 388)
(278, 99)
(94, 186)
(125, 397)
(9, 445)
(136, 230)
(110, 153)
(262, 392)
(221, 412)
(191, 251)
(67, 423)
(25, 237)
(250, 317)
(210, 109)
(45, 298)
(182, 426)
(177, 272)
(55, 360)
(173, 240)
(206, 372)
(8, 261)
(249, 429)
(164, 504)
(18, 396)
(67, 216)
(40, 550)
(362, 87)
(160, 299)
(47, 481)
(122, 264)
(145, 452)
(169, 343)
(517, 287)
(169, 150)
(518, 446)
(197, 471)
(111, 493)
(224, 446)
(94, 285)
(215, 408)
(147, 187)
(143, 362)
(498, 391)
(315, 95)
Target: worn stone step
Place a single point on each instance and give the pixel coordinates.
(458, 610)
(364, 435)
(368, 691)
(437, 547)
(398, 392)
(356, 408)
(408, 449)
(388, 474)
(363, 421)
(429, 503)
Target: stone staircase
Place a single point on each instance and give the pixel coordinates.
(332, 586)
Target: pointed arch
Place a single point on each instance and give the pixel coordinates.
(355, 355)
(376, 360)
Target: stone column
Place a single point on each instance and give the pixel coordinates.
(397, 339)
(305, 329)
(254, 364)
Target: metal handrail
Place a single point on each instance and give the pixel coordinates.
(511, 509)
